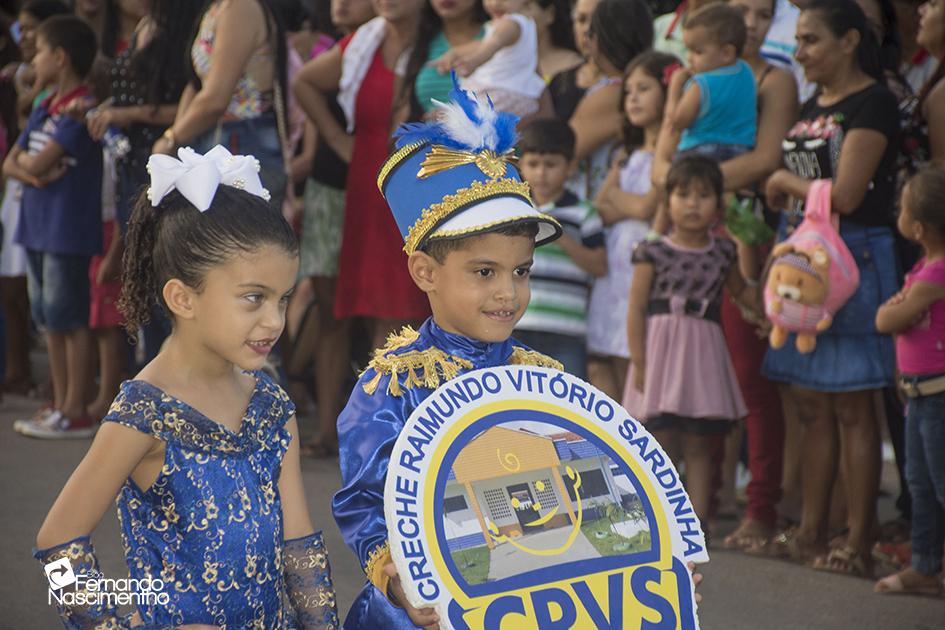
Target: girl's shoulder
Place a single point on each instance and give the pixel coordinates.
(651, 250)
(924, 271)
(147, 408)
(142, 406)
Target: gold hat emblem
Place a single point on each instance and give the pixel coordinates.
(440, 159)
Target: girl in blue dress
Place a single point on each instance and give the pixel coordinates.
(201, 448)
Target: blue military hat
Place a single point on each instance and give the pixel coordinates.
(454, 177)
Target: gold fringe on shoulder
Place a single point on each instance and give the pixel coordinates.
(521, 356)
(423, 368)
(396, 341)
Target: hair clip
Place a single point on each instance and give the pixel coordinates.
(197, 177)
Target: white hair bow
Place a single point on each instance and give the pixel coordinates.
(197, 177)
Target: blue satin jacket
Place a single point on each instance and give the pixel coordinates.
(383, 399)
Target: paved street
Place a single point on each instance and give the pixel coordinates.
(740, 592)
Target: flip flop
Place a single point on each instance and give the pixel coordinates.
(893, 585)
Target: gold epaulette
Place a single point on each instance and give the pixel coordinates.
(374, 569)
(521, 356)
(423, 368)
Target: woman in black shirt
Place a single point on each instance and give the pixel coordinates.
(848, 133)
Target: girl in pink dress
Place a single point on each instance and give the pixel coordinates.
(682, 383)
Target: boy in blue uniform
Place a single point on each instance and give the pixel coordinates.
(470, 230)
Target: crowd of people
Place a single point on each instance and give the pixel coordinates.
(642, 124)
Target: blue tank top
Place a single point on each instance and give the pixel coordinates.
(727, 109)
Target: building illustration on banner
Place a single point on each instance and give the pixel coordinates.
(522, 496)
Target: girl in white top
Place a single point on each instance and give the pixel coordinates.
(504, 64)
(626, 203)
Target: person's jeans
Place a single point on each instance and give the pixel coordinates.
(59, 290)
(925, 472)
(571, 350)
(258, 137)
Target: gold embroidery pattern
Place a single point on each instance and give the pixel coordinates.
(394, 161)
(477, 191)
(521, 356)
(308, 582)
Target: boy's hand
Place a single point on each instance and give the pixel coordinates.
(423, 617)
(696, 580)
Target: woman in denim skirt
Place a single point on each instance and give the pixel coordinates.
(236, 97)
(847, 132)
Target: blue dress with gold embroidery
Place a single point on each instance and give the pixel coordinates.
(400, 377)
(210, 527)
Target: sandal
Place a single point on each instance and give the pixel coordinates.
(787, 545)
(839, 540)
(846, 560)
(750, 537)
(895, 585)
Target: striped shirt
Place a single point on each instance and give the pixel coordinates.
(560, 288)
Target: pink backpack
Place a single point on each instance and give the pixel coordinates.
(811, 275)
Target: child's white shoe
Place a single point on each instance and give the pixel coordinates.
(41, 416)
(60, 427)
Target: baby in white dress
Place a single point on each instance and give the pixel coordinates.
(504, 63)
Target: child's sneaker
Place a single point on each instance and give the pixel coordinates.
(60, 427)
(41, 416)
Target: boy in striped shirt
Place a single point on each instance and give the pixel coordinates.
(555, 322)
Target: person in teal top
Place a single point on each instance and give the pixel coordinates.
(444, 25)
(431, 84)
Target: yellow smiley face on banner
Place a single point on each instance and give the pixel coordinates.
(523, 497)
